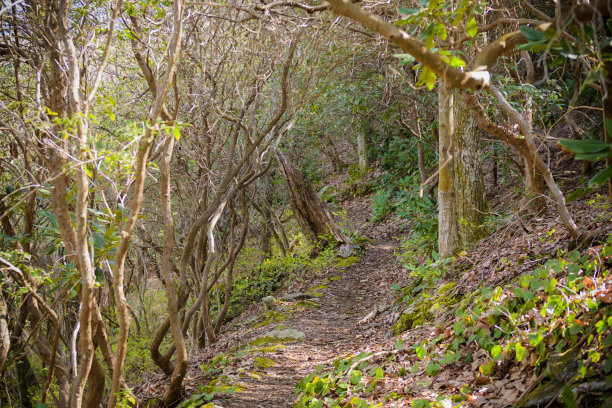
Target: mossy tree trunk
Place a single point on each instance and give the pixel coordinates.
(447, 221)
(362, 149)
(470, 196)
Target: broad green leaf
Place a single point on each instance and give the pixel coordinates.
(406, 58)
(520, 351)
(593, 157)
(471, 28)
(177, 133)
(532, 35)
(441, 31)
(457, 62)
(496, 351)
(355, 376)
(585, 146)
(601, 177)
(408, 11)
(608, 126)
(420, 403)
(432, 368)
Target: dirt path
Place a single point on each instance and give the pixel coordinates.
(335, 328)
(331, 330)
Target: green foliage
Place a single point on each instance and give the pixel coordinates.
(336, 388)
(252, 285)
(556, 314)
(593, 150)
(434, 18)
(399, 192)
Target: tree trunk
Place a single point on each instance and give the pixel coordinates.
(447, 222)
(172, 394)
(470, 196)
(362, 149)
(312, 215)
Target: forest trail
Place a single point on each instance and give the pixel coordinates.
(335, 328)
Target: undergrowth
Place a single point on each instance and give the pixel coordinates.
(555, 323)
(268, 276)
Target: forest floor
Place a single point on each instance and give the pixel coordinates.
(333, 323)
(355, 308)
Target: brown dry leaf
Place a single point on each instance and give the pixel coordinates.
(482, 380)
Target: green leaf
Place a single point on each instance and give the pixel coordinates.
(532, 35)
(98, 241)
(441, 31)
(593, 157)
(406, 58)
(457, 62)
(585, 146)
(420, 403)
(496, 351)
(433, 368)
(471, 28)
(408, 11)
(177, 133)
(520, 351)
(399, 344)
(601, 177)
(355, 376)
(379, 373)
(608, 126)
(567, 395)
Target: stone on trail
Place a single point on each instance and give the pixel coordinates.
(285, 335)
(269, 304)
(291, 297)
(346, 250)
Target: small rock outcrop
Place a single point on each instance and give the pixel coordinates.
(288, 334)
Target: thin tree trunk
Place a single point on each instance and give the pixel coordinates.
(362, 149)
(173, 392)
(95, 387)
(564, 213)
(447, 222)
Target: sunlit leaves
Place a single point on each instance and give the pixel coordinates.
(471, 28)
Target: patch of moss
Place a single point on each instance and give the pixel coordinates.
(273, 316)
(305, 304)
(445, 288)
(262, 362)
(335, 278)
(362, 241)
(425, 308)
(269, 349)
(315, 289)
(579, 194)
(263, 341)
(346, 262)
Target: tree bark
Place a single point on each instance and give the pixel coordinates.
(470, 195)
(362, 149)
(313, 216)
(172, 394)
(447, 221)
